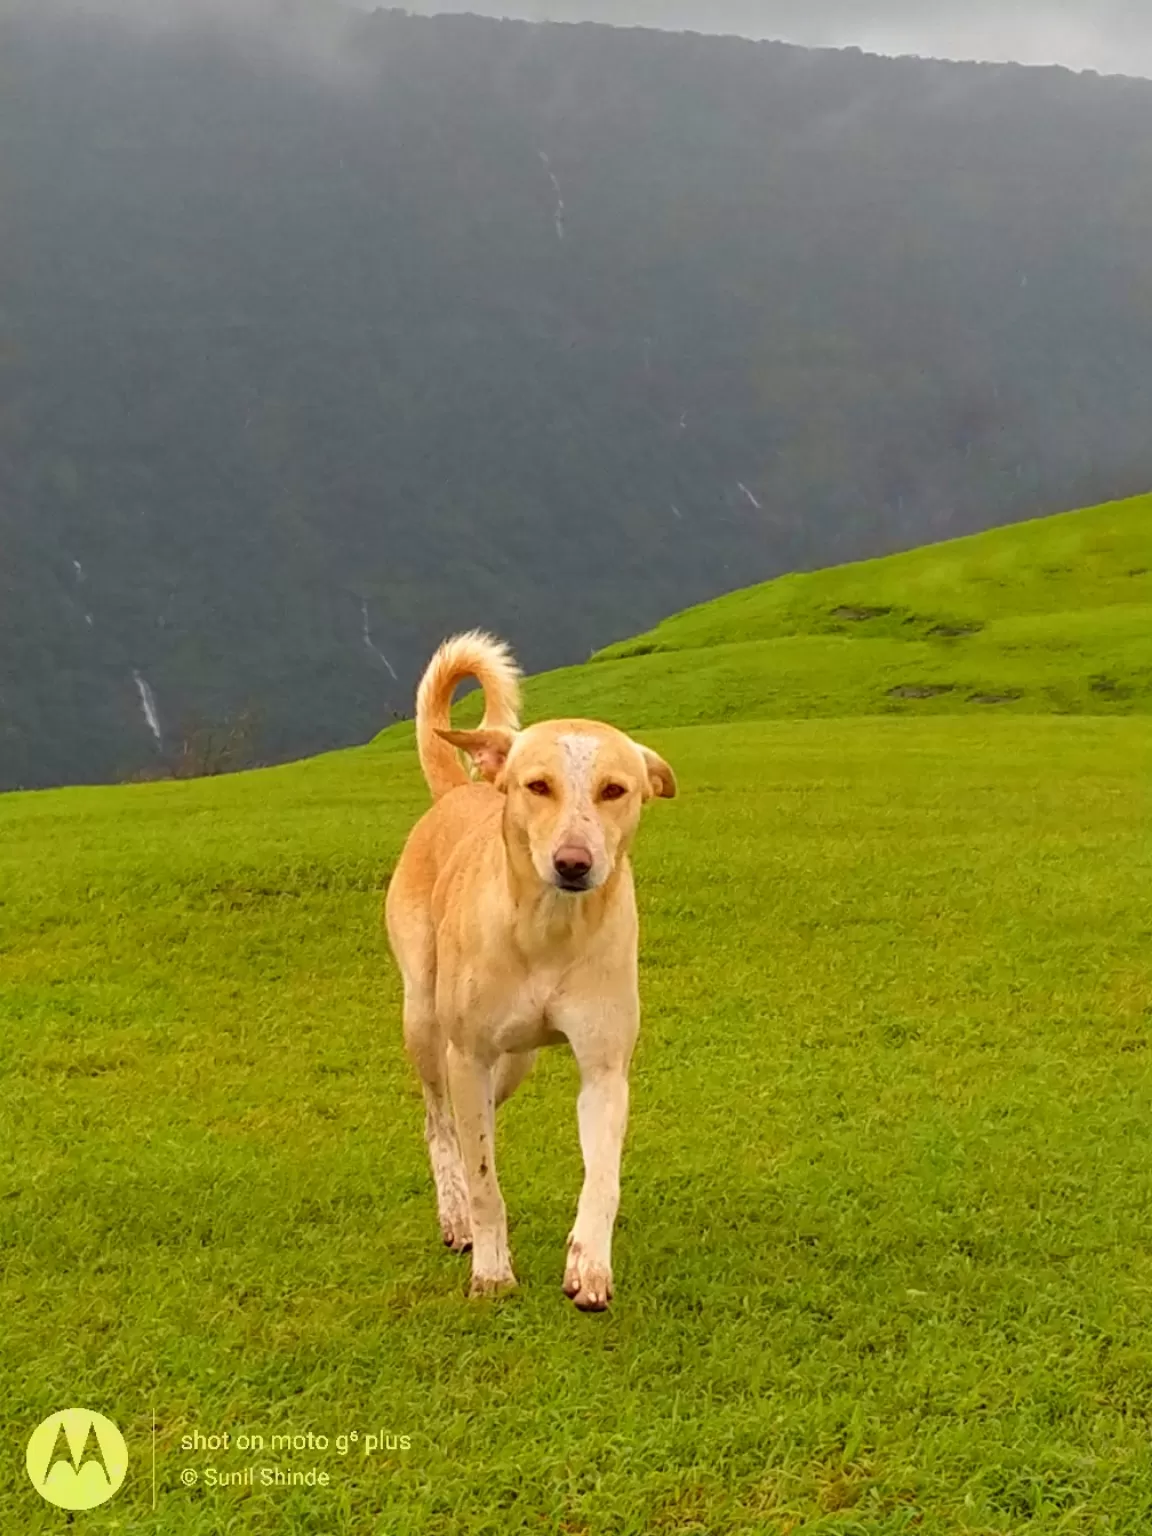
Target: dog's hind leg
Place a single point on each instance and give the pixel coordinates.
(511, 1070)
(440, 1135)
(414, 944)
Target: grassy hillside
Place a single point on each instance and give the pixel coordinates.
(1075, 563)
(882, 1260)
(1053, 616)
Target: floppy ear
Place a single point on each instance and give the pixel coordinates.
(488, 749)
(661, 779)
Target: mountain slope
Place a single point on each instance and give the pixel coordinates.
(1048, 616)
(1075, 562)
(318, 342)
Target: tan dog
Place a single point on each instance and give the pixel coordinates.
(513, 919)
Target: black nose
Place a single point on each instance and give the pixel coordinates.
(572, 864)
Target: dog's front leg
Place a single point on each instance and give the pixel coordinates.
(602, 1111)
(472, 1085)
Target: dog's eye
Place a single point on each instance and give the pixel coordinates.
(613, 792)
(539, 787)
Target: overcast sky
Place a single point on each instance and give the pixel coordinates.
(1113, 36)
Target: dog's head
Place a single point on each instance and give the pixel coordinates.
(574, 792)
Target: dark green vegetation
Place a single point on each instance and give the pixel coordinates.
(883, 1256)
(293, 331)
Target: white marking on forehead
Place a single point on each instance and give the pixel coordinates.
(579, 759)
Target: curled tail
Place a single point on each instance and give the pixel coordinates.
(491, 663)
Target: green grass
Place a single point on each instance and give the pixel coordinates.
(1049, 616)
(883, 1260)
(1091, 559)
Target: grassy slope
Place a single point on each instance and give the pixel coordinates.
(1054, 615)
(1095, 558)
(883, 1253)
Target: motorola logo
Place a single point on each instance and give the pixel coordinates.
(77, 1459)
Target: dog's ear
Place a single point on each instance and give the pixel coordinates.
(661, 779)
(488, 749)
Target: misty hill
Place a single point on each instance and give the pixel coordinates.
(318, 343)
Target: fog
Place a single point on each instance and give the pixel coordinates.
(306, 35)
(1112, 36)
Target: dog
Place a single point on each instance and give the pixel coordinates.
(512, 917)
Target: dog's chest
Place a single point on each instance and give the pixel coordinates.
(522, 1021)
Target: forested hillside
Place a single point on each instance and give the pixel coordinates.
(317, 343)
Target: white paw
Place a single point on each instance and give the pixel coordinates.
(587, 1281)
(456, 1229)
